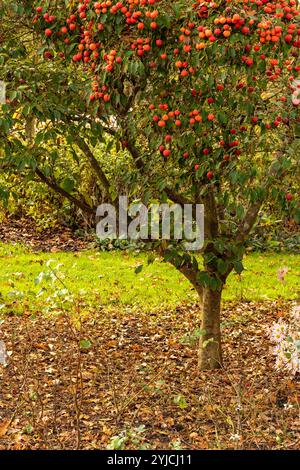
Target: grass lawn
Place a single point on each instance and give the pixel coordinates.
(109, 279)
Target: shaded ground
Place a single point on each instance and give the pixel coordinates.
(134, 369)
(26, 231)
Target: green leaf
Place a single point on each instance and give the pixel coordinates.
(85, 344)
(180, 401)
(68, 184)
(222, 117)
(238, 267)
(139, 269)
(12, 95)
(222, 266)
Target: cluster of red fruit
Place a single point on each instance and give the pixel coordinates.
(99, 92)
(168, 118)
(174, 117)
(134, 11)
(145, 36)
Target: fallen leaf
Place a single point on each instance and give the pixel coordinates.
(4, 427)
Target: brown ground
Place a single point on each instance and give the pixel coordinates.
(26, 231)
(137, 372)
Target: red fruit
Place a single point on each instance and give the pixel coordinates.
(48, 32)
(153, 25)
(168, 138)
(210, 175)
(289, 197)
(106, 98)
(210, 117)
(77, 57)
(197, 167)
(159, 42)
(48, 55)
(39, 9)
(206, 152)
(186, 155)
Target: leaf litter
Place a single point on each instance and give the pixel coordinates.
(134, 375)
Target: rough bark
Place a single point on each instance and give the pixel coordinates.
(210, 350)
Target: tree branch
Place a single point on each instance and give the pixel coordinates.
(77, 202)
(94, 163)
(248, 222)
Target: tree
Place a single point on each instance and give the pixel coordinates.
(201, 95)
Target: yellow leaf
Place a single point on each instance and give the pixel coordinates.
(4, 427)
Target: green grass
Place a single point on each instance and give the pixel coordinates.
(109, 279)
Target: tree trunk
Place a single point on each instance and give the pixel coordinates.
(210, 352)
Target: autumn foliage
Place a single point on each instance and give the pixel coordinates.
(205, 97)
